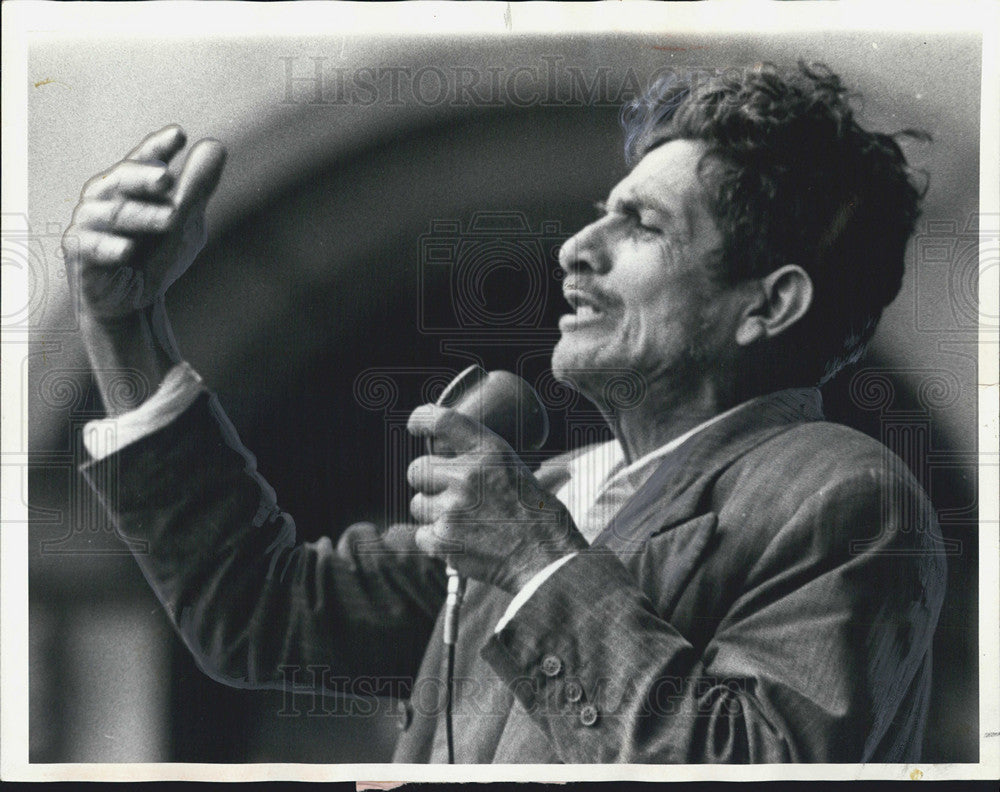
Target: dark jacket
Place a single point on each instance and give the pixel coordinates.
(769, 595)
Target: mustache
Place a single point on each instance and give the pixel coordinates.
(604, 299)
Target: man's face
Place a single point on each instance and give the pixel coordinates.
(640, 280)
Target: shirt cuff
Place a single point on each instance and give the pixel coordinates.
(176, 393)
(530, 588)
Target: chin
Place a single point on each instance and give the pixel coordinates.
(569, 359)
(583, 367)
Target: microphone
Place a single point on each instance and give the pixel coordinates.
(508, 406)
(503, 402)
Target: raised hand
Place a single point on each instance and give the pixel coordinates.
(135, 230)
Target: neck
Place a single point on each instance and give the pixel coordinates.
(662, 417)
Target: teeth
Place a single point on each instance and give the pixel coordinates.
(585, 311)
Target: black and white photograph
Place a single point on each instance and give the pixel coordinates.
(396, 389)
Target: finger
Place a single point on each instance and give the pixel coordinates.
(160, 146)
(431, 474)
(448, 427)
(127, 217)
(425, 540)
(103, 248)
(200, 175)
(400, 537)
(436, 540)
(131, 179)
(70, 243)
(426, 508)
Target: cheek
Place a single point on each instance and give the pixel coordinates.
(662, 326)
(651, 304)
(643, 338)
(638, 325)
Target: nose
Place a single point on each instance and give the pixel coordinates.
(586, 251)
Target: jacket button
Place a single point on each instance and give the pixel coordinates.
(574, 691)
(404, 715)
(588, 715)
(551, 665)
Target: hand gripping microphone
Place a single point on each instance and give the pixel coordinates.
(508, 406)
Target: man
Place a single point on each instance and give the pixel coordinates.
(732, 579)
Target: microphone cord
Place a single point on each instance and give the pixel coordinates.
(453, 603)
(520, 398)
(456, 585)
(449, 728)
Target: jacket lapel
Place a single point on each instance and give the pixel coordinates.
(678, 487)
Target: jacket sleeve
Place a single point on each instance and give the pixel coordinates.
(257, 608)
(825, 639)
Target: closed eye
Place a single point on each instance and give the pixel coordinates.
(628, 210)
(631, 211)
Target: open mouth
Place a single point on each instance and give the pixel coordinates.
(585, 308)
(583, 304)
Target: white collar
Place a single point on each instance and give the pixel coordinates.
(608, 459)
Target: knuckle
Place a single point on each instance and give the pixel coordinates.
(87, 213)
(71, 234)
(112, 212)
(424, 539)
(418, 507)
(88, 240)
(414, 473)
(166, 217)
(160, 178)
(436, 535)
(445, 534)
(425, 420)
(104, 248)
(147, 218)
(417, 420)
(93, 184)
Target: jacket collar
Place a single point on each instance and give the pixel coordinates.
(676, 489)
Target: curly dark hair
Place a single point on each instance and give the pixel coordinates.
(792, 178)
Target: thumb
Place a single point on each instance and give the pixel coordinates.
(200, 175)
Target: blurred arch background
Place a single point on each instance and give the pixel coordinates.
(338, 239)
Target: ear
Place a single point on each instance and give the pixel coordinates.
(783, 297)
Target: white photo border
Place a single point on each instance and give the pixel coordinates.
(24, 19)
